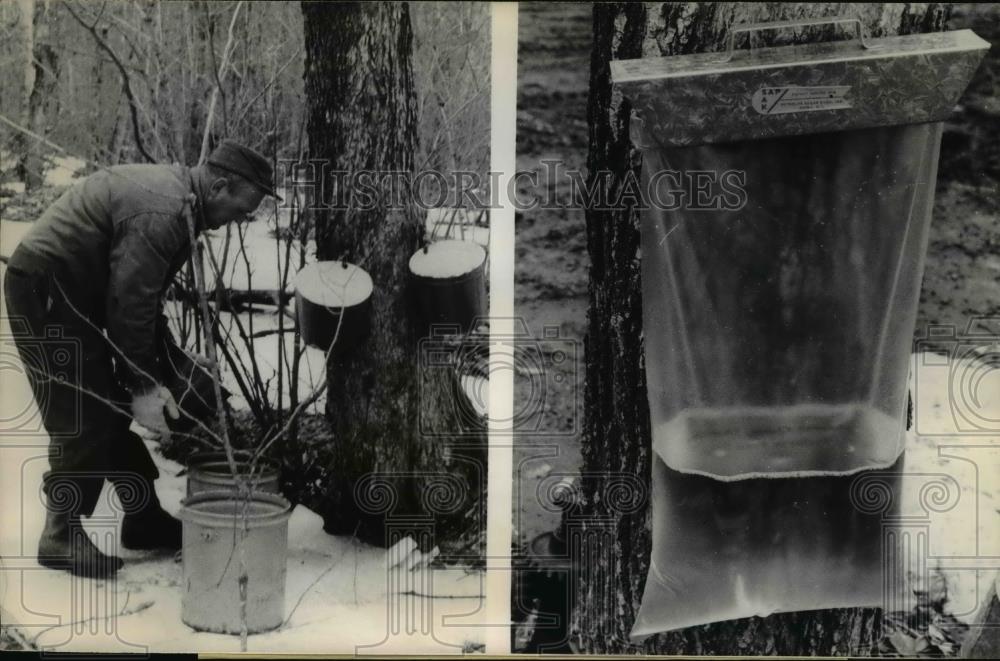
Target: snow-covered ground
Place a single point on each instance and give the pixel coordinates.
(62, 171)
(950, 504)
(341, 596)
(10, 235)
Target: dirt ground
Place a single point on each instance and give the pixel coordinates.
(962, 267)
(550, 278)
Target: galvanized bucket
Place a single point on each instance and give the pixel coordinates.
(225, 539)
(448, 284)
(210, 471)
(333, 305)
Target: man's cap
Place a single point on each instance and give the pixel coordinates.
(238, 159)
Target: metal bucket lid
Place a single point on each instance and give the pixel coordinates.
(334, 284)
(451, 260)
(763, 93)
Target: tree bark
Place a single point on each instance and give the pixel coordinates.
(396, 468)
(26, 31)
(613, 533)
(43, 101)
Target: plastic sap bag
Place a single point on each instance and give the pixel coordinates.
(787, 201)
(778, 334)
(777, 340)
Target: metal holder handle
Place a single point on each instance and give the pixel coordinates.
(780, 25)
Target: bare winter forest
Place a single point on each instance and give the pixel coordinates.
(132, 82)
(377, 87)
(95, 84)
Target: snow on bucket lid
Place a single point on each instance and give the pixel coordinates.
(742, 94)
(334, 284)
(447, 259)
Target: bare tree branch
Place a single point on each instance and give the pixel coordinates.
(126, 84)
(220, 76)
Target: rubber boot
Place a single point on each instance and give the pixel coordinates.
(147, 526)
(66, 546)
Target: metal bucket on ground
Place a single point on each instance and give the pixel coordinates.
(448, 283)
(216, 547)
(209, 471)
(325, 293)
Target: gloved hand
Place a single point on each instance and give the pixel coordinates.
(147, 409)
(201, 361)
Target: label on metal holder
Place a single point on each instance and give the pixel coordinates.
(782, 100)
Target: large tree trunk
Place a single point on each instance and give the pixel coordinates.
(26, 32)
(395, 466)
(614, 535)
(43, 101)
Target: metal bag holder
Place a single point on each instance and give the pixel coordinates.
(788, 196)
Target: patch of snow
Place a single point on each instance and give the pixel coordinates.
(447, 259)
(265, 350)
(477, 389)
(65, 171)
(11, 235)
(7, 160)
(951, 480)
(538, 472)
(15, 187)
(258, 264)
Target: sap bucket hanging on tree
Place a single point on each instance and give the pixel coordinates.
(333, 305)
(787, 199)
(448, 284)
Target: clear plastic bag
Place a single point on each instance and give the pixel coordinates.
(777, 341)
(778, 334)
(787, 199)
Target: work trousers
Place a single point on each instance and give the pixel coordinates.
(68, 362)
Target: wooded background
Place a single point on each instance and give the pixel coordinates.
(120, 82)
(382, 87)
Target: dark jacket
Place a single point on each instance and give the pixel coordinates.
(114, 242)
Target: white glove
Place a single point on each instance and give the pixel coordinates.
(201, 361)
(147, 409)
